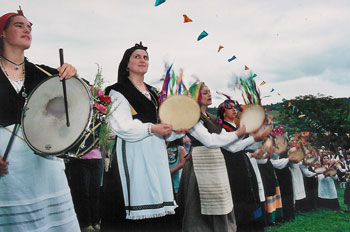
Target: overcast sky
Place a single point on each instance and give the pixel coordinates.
(297, 47)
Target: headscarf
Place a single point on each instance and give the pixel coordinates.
(123, 72)
(5, 18)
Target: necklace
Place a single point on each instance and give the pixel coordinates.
(10, 61)
(17, 82)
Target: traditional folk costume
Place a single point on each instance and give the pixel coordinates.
(273, 203)
(139, 184)
(204, 194)
(284, 178)
(310, 183)
(34, 195)
(244, 187)
(298, 186)
(327, 192)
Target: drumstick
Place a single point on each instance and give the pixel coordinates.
(10, 142)
(64, 89)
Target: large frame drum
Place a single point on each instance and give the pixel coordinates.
(44, 118)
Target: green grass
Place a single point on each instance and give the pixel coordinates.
(318, 221)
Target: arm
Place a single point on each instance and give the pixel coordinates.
(182, 160)
(306, 171)
(212, 140)
(280, 163)
(122, 123)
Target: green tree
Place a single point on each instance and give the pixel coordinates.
(318, 114)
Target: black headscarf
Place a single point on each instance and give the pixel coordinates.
(123, 72)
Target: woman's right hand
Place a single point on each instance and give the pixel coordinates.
(3, 167)
(161, 129)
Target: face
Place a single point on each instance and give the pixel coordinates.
(138, 62)
(230, 112)
(206, 96)
(325, 160)
(18, 33)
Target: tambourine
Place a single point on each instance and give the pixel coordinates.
(297, 154)
(281, 145)
(310, 157)
(264, 149)
(320, 170)
(253, 117)
(181, 111)
(331, 172)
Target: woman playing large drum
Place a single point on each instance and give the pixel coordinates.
(34, 193)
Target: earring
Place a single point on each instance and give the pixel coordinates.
(127, 69)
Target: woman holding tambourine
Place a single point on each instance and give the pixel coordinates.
(204, 194)
(34, 193)
(327, 192)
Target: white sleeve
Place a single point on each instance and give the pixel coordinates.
(121, 121)
(261, 161)
(280, 163)
(306, 171)
(255, 145)
(239, 145)
(201, 133)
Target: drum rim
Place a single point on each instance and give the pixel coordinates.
(36, 151)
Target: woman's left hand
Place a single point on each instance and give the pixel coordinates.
(67, 71)
(182, 130)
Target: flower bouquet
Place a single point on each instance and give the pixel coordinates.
(102, 109)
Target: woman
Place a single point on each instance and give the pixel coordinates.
(204, 194)
(145, 188)
(327, 193)
(243, 181)
(34, 193)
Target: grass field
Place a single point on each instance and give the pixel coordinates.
(318, 221)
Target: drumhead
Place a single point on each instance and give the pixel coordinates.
(180, 111)
(44, 118)
(320, 170)
(253, 117)
(332, 172)
(296, 153)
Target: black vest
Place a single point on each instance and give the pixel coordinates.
(147, 111)
(11, 103)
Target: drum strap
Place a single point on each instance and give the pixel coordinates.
(43, 70)
(11, 132)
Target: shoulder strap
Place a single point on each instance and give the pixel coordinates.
(43, 70)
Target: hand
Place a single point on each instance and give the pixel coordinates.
(161, 129)
(293, 160)
(259, 154)
(182, 130)
(260, 135)
(3, 167)
(241, 131)
(66, 71)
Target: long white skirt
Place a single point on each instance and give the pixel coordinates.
(34, 195)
